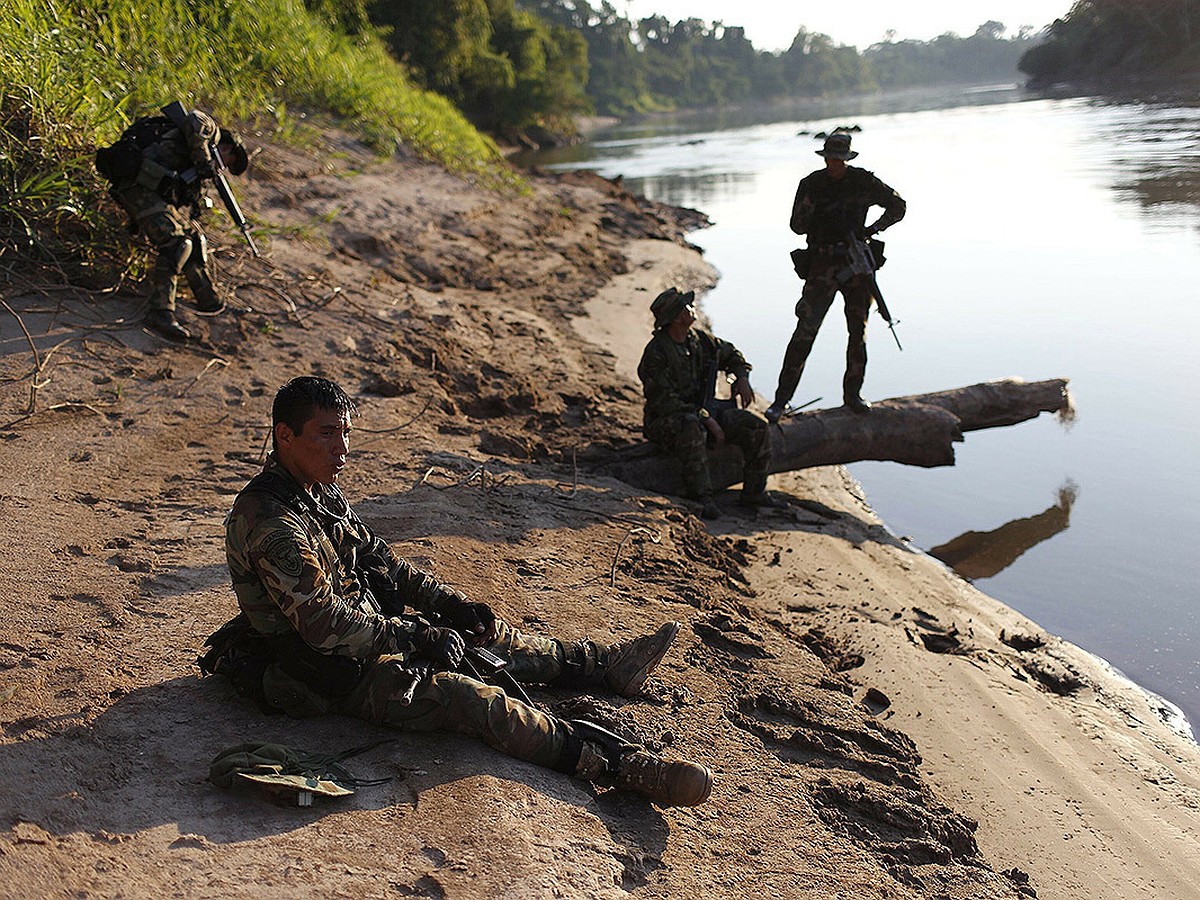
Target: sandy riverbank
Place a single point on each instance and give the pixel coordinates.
(878, 728)
(1074, 774)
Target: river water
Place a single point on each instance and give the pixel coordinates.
(1045, 238)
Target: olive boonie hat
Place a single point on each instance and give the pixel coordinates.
(235, 157)
(669, 304)
(837, 146)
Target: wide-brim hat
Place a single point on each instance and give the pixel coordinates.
(837, 146)
(669, 304)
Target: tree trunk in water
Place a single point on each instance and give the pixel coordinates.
(918, 431)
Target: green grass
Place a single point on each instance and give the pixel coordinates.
(74, 73)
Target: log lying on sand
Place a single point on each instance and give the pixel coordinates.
(918, 431)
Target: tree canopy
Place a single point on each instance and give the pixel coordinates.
(1100, 39)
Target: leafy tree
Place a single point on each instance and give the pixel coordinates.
(507, 68)
(1115, 38)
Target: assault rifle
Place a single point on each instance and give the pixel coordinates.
(179, 117)
(862, 262)
(482, 664)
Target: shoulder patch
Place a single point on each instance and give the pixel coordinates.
(281, 551)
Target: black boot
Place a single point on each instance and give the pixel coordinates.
(856, 404)
(164, 323)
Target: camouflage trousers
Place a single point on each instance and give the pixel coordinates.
(819, 290)
(180, 246)
(454, 702)
(686, 437)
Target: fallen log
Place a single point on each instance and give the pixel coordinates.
(919, 430)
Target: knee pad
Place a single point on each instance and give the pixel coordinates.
(175, 254)
(198, 255)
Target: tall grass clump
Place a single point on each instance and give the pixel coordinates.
(74, 73)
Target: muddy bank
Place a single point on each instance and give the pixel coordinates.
(878, 728)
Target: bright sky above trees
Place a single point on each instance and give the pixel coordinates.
(771, 25)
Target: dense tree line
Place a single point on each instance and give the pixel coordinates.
(517, 66)
(654, 63)
(1118, 38)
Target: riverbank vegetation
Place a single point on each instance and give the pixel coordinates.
(73, 75)
(1106, 39)
(569, 55)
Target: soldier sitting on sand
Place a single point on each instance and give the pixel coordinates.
(332, 621)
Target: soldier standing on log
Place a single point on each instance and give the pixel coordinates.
(830, 208)
(678, 371)
(333, 622)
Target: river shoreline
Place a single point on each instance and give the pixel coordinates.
(878, 728)
(1101, 736)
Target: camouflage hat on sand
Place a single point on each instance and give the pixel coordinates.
(837, 146)
(285, 776)
(668, 305)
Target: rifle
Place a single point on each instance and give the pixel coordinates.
(862, 262)
(482, 664)
(178, 116)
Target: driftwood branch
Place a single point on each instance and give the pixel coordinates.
(918, 431)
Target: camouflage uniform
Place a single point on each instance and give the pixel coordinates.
(828, 210)
(676, 380)
(331, 599)
(159, 207)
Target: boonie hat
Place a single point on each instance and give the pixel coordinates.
(837, 146)
(285, 776)
(669, 304)
(236, 158)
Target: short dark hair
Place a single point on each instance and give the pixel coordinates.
(297, 400)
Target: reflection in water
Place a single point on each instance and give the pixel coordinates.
(1162, 172)
(700, 189)
(982, 554)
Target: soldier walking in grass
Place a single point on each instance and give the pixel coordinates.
(157, 169)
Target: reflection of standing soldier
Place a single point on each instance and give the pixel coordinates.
(678, 371)
(333, 621)
(157, 173)
(830, 207)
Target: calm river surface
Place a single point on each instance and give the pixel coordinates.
(1045, 238)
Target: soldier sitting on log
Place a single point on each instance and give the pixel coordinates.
(678, 371)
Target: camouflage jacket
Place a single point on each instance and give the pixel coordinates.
(828, 210)
(677, 378)
(173, 153)
(304, 564)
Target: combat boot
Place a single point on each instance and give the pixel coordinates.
(623, 668)
(674, 783)
(164, 323)
(595, 754)
(209, 300)
(855, 403)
